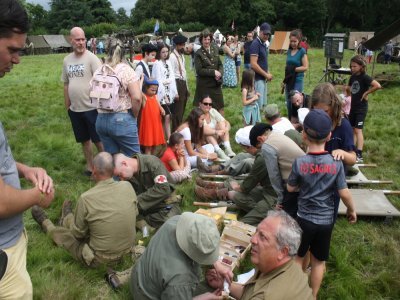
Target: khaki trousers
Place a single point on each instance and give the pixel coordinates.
(16, 283)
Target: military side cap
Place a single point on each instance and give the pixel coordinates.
(179, 39)
(258, 130)
(271, 110)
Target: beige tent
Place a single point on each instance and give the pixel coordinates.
(280, 43)
(356, 36)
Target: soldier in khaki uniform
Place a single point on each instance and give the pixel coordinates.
(103, 227)
(157, 200)
(209, 71)
(277, 275)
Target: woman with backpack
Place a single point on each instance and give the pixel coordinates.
(119, 107)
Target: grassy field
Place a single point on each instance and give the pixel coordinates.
(365, 257)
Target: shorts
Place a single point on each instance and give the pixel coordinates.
(357, 119)
(84, 125)
(238, 63)
(316, 238)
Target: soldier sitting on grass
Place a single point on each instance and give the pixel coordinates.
(255, 194)
(102, 229)
(157, 200)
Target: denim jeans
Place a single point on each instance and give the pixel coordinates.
(118, 133)
(261, 87)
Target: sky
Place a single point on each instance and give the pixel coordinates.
(127, 4)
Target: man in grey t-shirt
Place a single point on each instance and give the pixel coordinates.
(78, 69)
(16, 283)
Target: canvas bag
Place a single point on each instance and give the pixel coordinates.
(104, 88)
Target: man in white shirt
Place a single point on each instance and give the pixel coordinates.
(278, 123)
(177, 59)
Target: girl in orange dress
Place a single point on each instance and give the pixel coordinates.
(151, 133)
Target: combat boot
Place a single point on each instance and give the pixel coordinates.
(203, 168)
(210, 194)
(209, 184)
(229, 151)
(221, 154)
(39, 216)
(112, 279)
(65, 211)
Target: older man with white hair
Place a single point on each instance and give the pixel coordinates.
(273, 248)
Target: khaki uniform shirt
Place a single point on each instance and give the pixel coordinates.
(279, 152)
(153, 184)
(258, 175)
(288, 282)
(106, 216)
(164, 271)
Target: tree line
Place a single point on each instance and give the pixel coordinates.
(314, 17)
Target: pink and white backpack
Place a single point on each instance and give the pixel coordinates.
(104, 88)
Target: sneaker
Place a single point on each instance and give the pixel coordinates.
(112, 279)
(65, 210)
(221, 154)
(229, 152)
(359, 158)
(39, 216)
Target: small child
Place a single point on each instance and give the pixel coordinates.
(360, 86)
(174, 158)
(318, 176)
(251, 111)
(151, 133)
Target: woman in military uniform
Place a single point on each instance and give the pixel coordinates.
(209, 70)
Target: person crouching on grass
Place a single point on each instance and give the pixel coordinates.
(317, 176)
(360, 86)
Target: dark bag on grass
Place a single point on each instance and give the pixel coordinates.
(3, 263)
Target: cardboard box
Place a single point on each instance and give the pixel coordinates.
(235, 243)
(217, 214)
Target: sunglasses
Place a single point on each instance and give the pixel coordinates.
(207, 103)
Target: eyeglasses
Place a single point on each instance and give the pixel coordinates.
(207, 103)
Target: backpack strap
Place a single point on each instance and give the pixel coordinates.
(106, 68)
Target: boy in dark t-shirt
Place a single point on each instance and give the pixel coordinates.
(318, 176)
(360, 86)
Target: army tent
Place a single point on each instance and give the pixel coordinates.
(58, 43)
(357, 36)
(280, 43)
(37, 45)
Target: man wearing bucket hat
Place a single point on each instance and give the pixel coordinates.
(170, 266)
(177, 59)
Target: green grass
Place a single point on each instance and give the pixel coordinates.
(365, 257)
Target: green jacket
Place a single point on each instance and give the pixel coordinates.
(258, 175)
(206, 64)
(152, 184)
